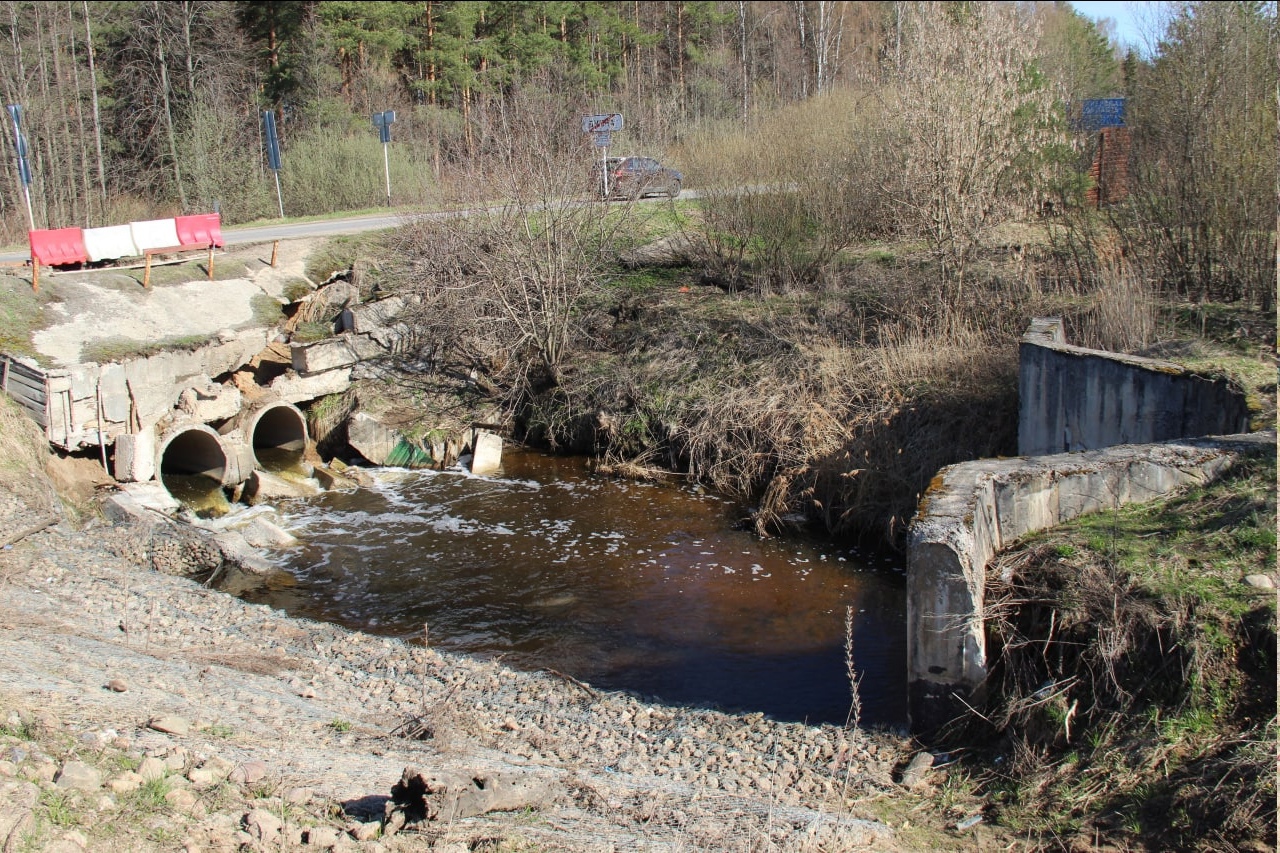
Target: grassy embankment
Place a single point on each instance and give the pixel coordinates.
(1136, 673)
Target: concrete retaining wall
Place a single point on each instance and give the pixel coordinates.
(1072, 398)
(975, 509)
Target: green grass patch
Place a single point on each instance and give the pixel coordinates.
(59, 808)
(310, 332)
(340, 253)
(266, 311)
(119, 349)
(20, 315)
(164, 274)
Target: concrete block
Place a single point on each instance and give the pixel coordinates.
(208, 401)
(262, 486)
(371, 439)
(1074, 399)
(332, 481)
(114, 394)
(135, 501)
(486, 453)
(976, 509)
(324, 355)
(135, 457)
(369, 316)
(293, 388)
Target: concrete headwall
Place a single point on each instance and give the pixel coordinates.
(1072, 398)
(974, 509)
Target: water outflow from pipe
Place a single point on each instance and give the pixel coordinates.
(278, 436)
(197, 463)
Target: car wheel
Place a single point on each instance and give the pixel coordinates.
(673, 189)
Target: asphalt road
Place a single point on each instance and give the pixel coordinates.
(285, 231)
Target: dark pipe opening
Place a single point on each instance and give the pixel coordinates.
(279, 438)
(192, 467)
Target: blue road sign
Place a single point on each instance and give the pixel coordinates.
(1097, 113)
(20, 144)
(383, 121)
(273, 142)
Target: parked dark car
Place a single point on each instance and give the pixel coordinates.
(635, 177)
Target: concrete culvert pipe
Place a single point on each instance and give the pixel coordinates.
(194, 465)
(278, 435)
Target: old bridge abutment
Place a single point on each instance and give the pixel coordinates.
(1127, 421)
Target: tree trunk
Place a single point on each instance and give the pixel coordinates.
(168, 108)
(742, 58)
(97, 115)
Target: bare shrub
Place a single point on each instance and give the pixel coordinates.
(1122, 317)
(970, 111)
(782, 199)
(1203, 209)
(499, 293)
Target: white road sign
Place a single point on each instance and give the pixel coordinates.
(601, 123)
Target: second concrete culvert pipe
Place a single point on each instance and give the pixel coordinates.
(276, 434)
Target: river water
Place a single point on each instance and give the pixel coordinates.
(627, 586)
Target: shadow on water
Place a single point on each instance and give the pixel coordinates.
(626, 586)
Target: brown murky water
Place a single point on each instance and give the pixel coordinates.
(625, 586)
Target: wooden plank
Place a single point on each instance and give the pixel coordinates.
(27, 387)
(17, 380)
(35, 410)
(26, 396)
(31, 372)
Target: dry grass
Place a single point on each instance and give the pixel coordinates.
(1136, 674)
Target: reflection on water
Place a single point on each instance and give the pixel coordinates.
(624, 585)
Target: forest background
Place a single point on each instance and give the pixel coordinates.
(139, 109)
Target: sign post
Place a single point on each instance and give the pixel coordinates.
(24, 166)
(602, 128)
(273, 152)
(382, 121)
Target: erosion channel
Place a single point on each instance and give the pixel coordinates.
(623, 585)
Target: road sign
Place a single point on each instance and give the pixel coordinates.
(602, 139)
(601, 123)
(273, 141)
(1097, 113)
(20, 144)
(383, 121)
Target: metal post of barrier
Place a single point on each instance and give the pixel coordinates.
(146, 274)
(274, 247)
(210, 264)
(35, 275)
